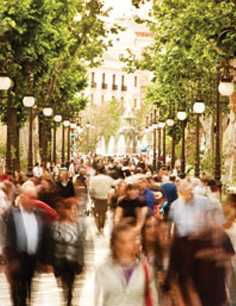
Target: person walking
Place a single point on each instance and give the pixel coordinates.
(125, 279)
(200, 251)
(22, 248)
(66, 242)
(131, 205)
(99, 188)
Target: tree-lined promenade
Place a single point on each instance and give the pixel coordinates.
(46, 48)
(192, 54)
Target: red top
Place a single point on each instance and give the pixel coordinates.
(50, 212)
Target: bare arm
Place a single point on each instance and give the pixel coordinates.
(141, 216)
(118, 215)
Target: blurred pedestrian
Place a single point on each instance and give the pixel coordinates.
(99, 187)
(66, 244)
(125, 279)
(132, 205)
(22, 246)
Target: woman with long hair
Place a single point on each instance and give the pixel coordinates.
(125, 278)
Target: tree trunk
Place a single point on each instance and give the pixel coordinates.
(45, 136)
(12, 152)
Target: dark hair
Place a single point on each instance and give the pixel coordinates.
(101, 169)
(231, 198)
(158, 249)
(124, 226)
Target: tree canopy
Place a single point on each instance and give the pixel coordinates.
(191, 38)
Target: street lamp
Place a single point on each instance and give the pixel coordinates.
(47, 111)
(226, 84)
(5, 83)
(198, 109)
(182, 116)
(154, 127)
(66, 123)
(29, 102)
(170, 123)
(57, 120)
(162, 127)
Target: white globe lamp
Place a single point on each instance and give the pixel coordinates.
(28, 101)
(170, 122)
(58, 118)
(47, 111)
(182, 116)
(226, 88)
(66, 123)
(5, 83)
(199, 107)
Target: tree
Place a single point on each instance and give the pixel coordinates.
(190, 39)
(46, 48)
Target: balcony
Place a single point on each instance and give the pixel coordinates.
(124, 88)
(104, 86)
(93, 85)
(114, 87)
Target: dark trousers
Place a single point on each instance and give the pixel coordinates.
(20, 272)
(66, 272)
(100, 210)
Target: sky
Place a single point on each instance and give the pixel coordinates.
(121, 7)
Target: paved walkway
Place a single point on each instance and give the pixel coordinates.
(45, 289)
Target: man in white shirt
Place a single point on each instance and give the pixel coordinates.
(24, 233)
(37, 171)
(99, 187)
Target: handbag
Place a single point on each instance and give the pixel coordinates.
(148, 291)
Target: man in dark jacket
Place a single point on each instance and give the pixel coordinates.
(24, 231)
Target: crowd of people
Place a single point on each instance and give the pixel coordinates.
(172, 240)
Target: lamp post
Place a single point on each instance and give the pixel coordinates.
(57, 120)
(162, 127)
(29, 102)
(159, 147)
(66, 123)
(198, 109)
(182, 116)
(154, 126)
(48, 112)
(225, 87)
(170, 123)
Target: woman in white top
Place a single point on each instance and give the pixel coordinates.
(125, 279)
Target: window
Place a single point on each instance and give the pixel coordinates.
(135, 81)
(114, 86)
(93, 83)
(93, 76)
(123, 87)
(104, 85)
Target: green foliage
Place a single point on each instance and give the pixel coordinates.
(47, 46)
(190, 39)
(106, 118)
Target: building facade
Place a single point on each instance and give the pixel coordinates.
(110, 80)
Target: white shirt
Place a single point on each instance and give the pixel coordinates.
(31, 230)
(37, 171)
(100, 186)
(190, 217)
